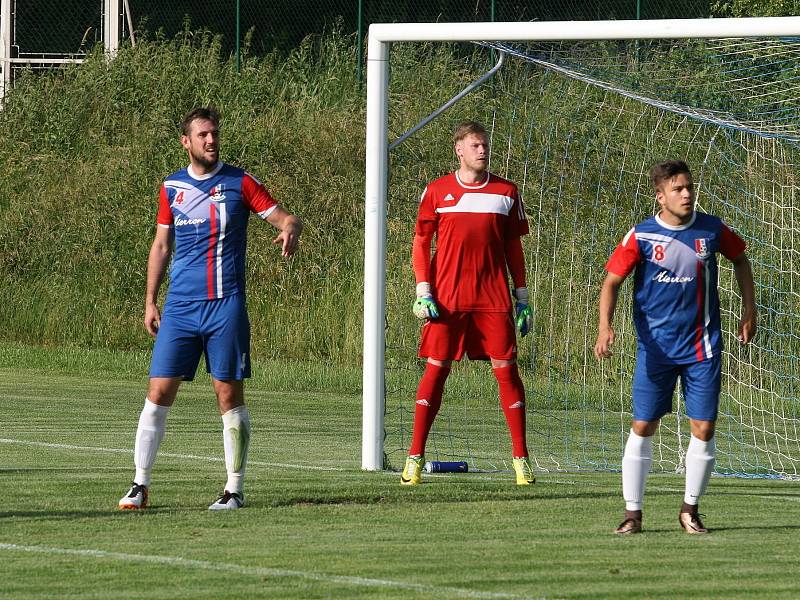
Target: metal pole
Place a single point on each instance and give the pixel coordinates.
(111, 27)
(129, 17)
(475, 84)
(661, 29)
(376, 190)
(5, 46)
(491, 18)
(638, 9)
(238, 34)
(360, 44)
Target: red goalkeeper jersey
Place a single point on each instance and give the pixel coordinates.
(472, 223)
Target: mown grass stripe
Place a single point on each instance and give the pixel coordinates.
(205, 565)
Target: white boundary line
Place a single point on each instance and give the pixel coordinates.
(259, 463)
(167, 454)
(204, 565)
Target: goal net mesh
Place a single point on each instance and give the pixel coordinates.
(577, 127)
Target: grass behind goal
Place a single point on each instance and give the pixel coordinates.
(318, 527)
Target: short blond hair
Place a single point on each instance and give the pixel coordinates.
(466, 128)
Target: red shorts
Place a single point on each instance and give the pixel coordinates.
(480, 335)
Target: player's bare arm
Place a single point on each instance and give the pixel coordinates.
(289, 227)
(157, 262)
(608, 303)
(744, 277)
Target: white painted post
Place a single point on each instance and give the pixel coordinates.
(111, 12)
(5, 46)
(377, 162)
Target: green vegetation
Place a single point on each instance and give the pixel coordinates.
(83, 153)
(310, 533)
(755, 8)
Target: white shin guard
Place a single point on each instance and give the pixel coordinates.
(635, 468)
(152, 424)
(700, 459)
(236, 437)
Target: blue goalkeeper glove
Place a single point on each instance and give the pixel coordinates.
(424, 306)
(523, 310)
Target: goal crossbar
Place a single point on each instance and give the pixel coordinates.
(381, 36)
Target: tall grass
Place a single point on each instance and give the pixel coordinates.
(83, 151)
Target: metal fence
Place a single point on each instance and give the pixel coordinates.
(40, 33)
(282, 24)
(69, 27)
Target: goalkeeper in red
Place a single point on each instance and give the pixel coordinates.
(463, 295)
(673, 256)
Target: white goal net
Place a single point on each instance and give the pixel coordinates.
(577, 124)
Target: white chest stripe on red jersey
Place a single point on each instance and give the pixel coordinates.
(482, 203)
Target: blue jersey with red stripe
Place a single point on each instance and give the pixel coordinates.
(209, 214)
(676, 300)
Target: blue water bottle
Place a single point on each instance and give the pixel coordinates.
(441, 466)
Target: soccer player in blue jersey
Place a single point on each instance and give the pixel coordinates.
(676, 314)
(203, 212)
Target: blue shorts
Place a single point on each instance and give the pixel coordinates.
(654, 385)
(219, 328)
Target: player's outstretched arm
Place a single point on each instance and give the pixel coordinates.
(608, 303)
(157, 262)
(744, 277)
(290, 228)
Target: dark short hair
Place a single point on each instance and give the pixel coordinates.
(202, 112)
(666, 170)
(466, 128)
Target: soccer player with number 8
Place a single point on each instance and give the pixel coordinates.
(677, 318)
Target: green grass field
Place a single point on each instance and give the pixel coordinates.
(316, 526)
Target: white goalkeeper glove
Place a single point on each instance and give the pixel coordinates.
(523, 311)
(424, 306)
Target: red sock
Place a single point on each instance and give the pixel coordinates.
(512, 401)
(429, 399)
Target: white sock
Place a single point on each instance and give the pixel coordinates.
(635, 468)
(236, 437)
(700, 458)
(152, 423)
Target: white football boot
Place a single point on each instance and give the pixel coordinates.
(136, 498)
(228, 501)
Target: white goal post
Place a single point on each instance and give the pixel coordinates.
(381, 37)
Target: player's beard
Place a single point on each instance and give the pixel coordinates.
(201, 159)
